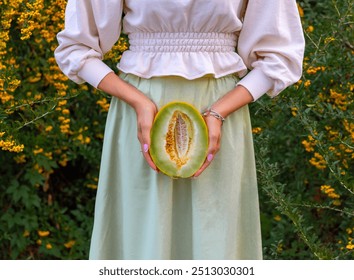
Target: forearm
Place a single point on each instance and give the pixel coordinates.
(117, 87)
(232, 101)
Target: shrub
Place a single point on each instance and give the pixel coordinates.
(305, 147)
(51, 134)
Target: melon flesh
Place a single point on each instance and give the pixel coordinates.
(179, 140)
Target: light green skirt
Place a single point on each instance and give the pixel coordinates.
(141, 214)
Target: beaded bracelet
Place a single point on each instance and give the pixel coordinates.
(211, 112)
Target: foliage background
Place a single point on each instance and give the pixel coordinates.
(51, 134)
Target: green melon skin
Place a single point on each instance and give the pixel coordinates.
(179, 140)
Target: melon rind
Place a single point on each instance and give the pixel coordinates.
(198, 145)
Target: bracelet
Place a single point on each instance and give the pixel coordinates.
(211, 112)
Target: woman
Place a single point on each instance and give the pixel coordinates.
(180, 50)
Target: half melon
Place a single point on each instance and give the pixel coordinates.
(179, 140)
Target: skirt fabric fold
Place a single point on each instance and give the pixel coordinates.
(141, 214)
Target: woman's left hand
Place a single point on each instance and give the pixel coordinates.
(230, 102)
(214, 128)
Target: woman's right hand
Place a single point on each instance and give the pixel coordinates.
(144, 108)
(145, 112)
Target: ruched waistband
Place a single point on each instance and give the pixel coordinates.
(182, 42)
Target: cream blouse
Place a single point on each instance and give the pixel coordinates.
(188, 38)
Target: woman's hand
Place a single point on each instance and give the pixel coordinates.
(144, 108)
(214, 129)
(145, 112)
(229, 103)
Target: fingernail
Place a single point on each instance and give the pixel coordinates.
(146, 148)
(210, 157)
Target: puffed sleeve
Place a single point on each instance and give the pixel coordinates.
(91, 29)
(271, 43)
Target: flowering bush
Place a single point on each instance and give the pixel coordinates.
(50, 138)
(305, 144)
(51, 134)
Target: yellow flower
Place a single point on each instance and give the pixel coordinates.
(43, 233)
(38, 151)
(65, 128)
(17, 148)
(298, 83)
(277, 218)
(310, 29)
(49, 155)
(324, 188)
(336, 202)
(69, 244)
(49, 128)
(20, 159)
(309, 147)
(10, 145)
(62, 102)
(49, 246)
(313, 70)
(65, 121)
(339, 99)
(333, 195)
(104, 104)
(294, 111)
(92, 186)
(318, 161)
(329, 39)
(301, 11)
(35, 79)
(39, 169)
(331, 148)
(307, 83)
(257, 130)
(330, 192)
(26, 233)
(38, 97)
(64, 160)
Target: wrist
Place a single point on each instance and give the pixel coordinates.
(232, 101)
(141, 102)
(212, 113)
